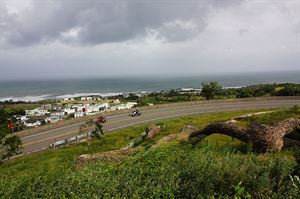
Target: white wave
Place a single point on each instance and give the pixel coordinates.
(95, 94)
(50, 96)
(234, 87)
(26, 98)
(86, 94)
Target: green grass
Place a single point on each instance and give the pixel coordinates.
(210, 168)
(273, 117)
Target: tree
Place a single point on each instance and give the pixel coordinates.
(172, 93)
(92, 126)
(72, 115)
(10, 144)
(289, 90)
(210, 90)
(43, 122)
(263, 137)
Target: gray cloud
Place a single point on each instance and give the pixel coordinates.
(243, 31)
(68, 39)
(96, 22)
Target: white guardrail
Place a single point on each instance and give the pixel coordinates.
(70, 140)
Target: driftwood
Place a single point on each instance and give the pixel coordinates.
(263, 137)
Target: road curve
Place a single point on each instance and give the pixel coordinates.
(42, 140)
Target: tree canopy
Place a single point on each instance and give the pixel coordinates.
(92, 126)
(210, 90)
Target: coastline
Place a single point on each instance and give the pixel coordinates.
(38, 98)
(37, 90)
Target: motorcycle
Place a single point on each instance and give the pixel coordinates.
(135, 113)
(101, 120)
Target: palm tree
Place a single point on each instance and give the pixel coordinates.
(210, 90)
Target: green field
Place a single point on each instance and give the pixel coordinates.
(217, 167)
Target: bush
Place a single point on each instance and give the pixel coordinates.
(290, 90)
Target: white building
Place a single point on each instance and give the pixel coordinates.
(131, 104)
(79, 114)
(52, 119)
(69, 111)
(69, 99)
(36, 112)
(59, 114)
(104, 106)
(22, 118)
(119, 107)
(80, 107)
(32, 124)
(188, 90)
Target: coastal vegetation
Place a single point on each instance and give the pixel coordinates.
(213, 90)
(218, 166)
(10, 144)
(210, 90)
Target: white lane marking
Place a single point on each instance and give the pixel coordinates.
(38, 150)
(48, 131)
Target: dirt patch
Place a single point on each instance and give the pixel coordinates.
(252, 114)
(186, 132)
(108, 156)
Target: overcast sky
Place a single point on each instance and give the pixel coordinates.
(94, 38)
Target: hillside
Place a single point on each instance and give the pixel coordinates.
(216, 167)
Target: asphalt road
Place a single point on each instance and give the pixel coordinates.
(42, 140)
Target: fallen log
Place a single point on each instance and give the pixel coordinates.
(263, 137)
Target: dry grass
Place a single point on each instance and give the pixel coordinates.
(108, 156)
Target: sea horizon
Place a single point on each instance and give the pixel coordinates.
(37, 90)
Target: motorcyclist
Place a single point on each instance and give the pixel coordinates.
(136, 112)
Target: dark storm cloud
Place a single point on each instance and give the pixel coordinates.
(96, 22)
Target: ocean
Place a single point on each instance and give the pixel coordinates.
(35, 90)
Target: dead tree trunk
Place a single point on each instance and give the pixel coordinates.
(263, 137)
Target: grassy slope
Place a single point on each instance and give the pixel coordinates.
(172, 170)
